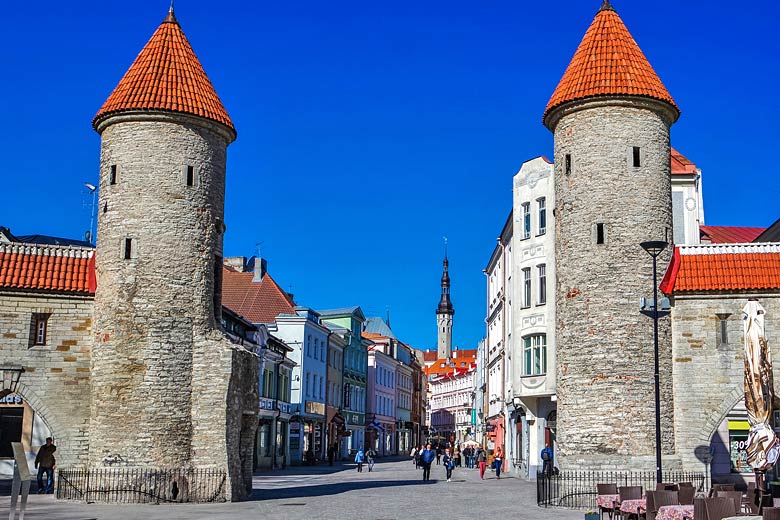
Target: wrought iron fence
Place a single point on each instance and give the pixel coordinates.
(140, 485)
(577, 489)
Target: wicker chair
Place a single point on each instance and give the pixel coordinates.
(719, 508)
(658, 499)
(686, 495)
(606, 489)
(666, 486)
(736, 496)
(771, 513)
(629, 493)
(699, 509)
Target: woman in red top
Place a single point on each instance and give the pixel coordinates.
(498, 461)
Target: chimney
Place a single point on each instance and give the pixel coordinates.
(260, 268)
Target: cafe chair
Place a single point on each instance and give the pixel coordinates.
(719, 508)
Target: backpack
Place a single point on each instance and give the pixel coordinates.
(546, 455)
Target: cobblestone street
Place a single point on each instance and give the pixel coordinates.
(394, 490)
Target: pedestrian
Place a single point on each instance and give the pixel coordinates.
(45, 463)
(360, 458)
(331, 454)
(469, 453)
(457, 457)
(498, 461)
(416, 455)
(547, 459)
(482, 461)
(449, 464)
(438, 455)
(370, 454)
(426, 458)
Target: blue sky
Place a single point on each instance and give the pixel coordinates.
(367, 131)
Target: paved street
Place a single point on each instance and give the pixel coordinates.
(392, 491)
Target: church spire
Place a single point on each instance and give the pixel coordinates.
(445, 305)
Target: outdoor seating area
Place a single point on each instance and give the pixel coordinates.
(680, 501)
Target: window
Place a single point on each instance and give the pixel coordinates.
(542, 215)
(320, 388)
(526, 220)
(268, 383)
(526, 287)
(542, 270)
(127, 252)
(314, 386)
(636, 157)
(112, 175)
(308, 346)
(189, 175)
(39, 329)
(600, 235)
(307, 384)
(723, 331)
(567, 164)
(535, 355)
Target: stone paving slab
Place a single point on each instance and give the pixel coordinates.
(393, 491)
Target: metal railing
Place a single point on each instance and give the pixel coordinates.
(142, 485)
(577, 489)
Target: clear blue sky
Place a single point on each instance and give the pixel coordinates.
(367, 131)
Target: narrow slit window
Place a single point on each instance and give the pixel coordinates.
(105, 207)
(190, 175)
(567, 163)
(637, 158)
(600, 233)
(40, 328)
(112, 175)
(127, 253)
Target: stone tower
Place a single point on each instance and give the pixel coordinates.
(163, 375)
(611, 116)
(444, 315)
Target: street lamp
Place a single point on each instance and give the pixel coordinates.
(9, 379)
(654, 248)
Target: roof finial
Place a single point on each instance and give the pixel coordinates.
(171, 17)
(445, 247)
(606, 6)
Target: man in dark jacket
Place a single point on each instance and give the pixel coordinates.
(425, 461)
(45, 463)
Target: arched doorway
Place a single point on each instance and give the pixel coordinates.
(20, 422)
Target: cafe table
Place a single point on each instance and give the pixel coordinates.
(678, 512)
(634, 506)
(607, 501)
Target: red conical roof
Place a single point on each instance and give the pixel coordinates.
(167, 76)
(608, 62)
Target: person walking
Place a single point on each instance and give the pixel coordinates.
(416, 452)
(370, 455)
(457, 457)
(438, 455)
(547, 459)
(426, 459)
(482, 461)
(360, 458)
(45, 463)
(449, 464)
(498, 461)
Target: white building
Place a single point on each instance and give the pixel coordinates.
(498, 338)
(531, 399)
(451, 403)
(687, 201)
(309, 340)
(381, 400)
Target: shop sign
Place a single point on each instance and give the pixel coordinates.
(12, 399)
(268, 404)
(313, 407)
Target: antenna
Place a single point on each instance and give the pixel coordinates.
(259, 249)
(387, 311)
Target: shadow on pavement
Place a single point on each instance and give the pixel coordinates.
(330, 489)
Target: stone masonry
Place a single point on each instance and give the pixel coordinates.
(56, 382)
(604, 345)
(709, 374)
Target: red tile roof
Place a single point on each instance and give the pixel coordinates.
(47, 268)
(259, 302)
(729, 234)
(608, 62)
(168, 76)
(430, 355)
(723, 268)
(463, 356)
(681, 165)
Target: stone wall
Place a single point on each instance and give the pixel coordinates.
(709, 374)
(155, 310)
(56, 382)
(605, 388)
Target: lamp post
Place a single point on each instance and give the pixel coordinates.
(654, 248)
(10, 375)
